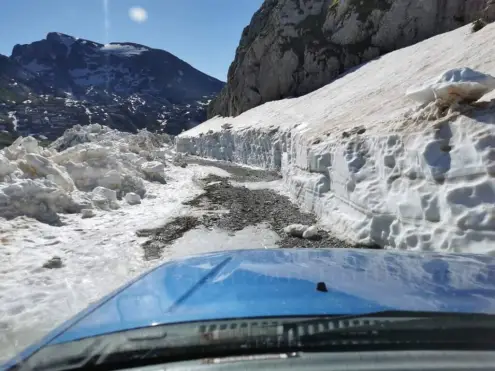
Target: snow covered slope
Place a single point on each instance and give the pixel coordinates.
(376, 167)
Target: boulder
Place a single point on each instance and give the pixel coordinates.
(104, 198)
(154, 171)
(132, 198)
(310, 233)
(296, 230)
(87, 213)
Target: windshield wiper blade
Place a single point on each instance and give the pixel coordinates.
(398, 314)
(391, 316)
(448, 328)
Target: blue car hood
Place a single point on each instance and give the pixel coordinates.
(280, 282)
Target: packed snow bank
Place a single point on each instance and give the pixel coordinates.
(457, 85)
(375, 168)
(90, 166)
(303, 231)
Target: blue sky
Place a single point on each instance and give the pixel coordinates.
(204, 33)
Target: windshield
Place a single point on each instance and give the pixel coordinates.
(312, 157)
(397, 331)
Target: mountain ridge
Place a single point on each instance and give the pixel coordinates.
(124, 85)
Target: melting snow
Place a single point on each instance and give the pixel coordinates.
(121, 49)
(373, 166)
(75, 183)
(204, 103)
(68, 41)
(14, 119)
(461, 84)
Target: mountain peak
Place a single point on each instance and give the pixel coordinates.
(60, 37)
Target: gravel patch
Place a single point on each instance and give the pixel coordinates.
(250, 207)
(162, 237)
(234, 207)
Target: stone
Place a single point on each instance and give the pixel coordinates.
(132, 198)
(104, 198)
(310, 233)
(87, 213)
(53, 263)
(296, 230)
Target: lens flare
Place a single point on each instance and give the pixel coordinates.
(138, 14)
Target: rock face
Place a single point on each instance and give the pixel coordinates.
(50, 85)
(293, 47)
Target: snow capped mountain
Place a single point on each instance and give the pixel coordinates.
(59, 81)
(85, 68)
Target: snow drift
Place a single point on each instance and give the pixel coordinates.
(88, 167)
(375, 167)
(456, 85)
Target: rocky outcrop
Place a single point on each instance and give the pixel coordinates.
(293, 47)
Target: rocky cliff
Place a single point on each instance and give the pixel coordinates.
(292, 47)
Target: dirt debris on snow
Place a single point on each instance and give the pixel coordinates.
(53, 263)
(250, 207)
(233, 208)
(163, 236)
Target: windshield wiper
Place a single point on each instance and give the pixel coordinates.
(466, 331)
(392, 317)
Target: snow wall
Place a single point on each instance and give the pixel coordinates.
(375, 167)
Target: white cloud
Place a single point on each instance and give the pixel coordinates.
(138, 14)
